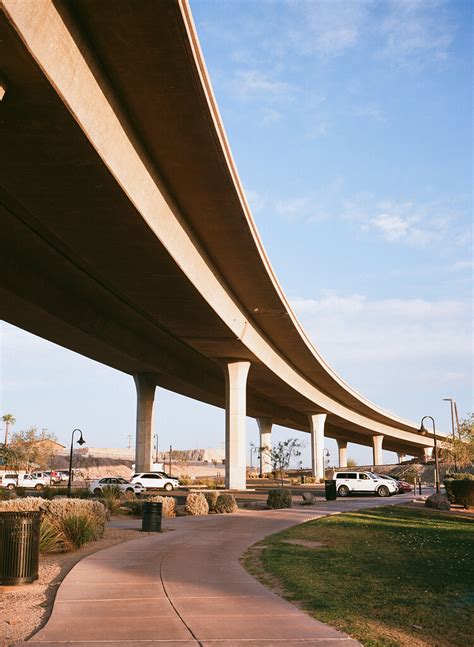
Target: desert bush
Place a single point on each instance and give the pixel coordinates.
(463, 492)
(169, 504)
(23, 504)
(110, 497)
(185, 479)
(226, 503)
(279, 498)
(52, 539)
(211, 498)
(66, 523)
(77, 530)
(95, 511)
(196, 504)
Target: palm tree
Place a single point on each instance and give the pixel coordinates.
(8, 419)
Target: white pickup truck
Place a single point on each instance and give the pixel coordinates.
(11, 481)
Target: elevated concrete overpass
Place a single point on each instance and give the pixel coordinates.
(127, 236)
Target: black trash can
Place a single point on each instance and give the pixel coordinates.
(151, 521)
(330, 490)
(19, 547)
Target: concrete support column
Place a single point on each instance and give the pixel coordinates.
(265, 428)
(401, 456)
(235, 411)
(316, 422)
(377, 450)
(342, 447)
(146, 385)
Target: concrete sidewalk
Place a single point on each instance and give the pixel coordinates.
(185, 586)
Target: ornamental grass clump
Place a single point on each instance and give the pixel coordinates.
(226, 504)
(279, 498)
(196, 504)
(66, 524)
(211, 498)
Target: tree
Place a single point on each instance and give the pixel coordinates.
(8, 419)
(351, 462)
(281, 454)
(460, 450)
(30, 447)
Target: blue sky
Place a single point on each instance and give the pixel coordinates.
(351, 124)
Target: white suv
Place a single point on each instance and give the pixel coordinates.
(116, 482)
(151, 480)
(348, 482)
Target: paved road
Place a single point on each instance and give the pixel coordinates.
(186, 587)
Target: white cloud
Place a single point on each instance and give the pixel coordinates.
(304, 208)
(416, 32)
(320, 129)
(417, 225)
(327, 28)
(370, 111)
(252, 84)
(355, 328)
(462, 265)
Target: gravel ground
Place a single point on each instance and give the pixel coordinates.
(26, 608)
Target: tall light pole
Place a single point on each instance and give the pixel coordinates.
(80, 441)
(156, 447)
(423, 430)
(451, 402)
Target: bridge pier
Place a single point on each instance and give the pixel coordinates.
(316, 423)
(377, 450)
(265, 429)
(427, 453)
(235, 412)
(342, 449)
(145, 384)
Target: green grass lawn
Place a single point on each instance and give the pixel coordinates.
(388, 576)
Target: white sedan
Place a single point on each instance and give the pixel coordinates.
(116, 482)
(152, 480)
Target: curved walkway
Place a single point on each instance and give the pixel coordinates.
(185, 586)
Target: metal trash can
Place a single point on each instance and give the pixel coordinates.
(151, 521)
(19, 547)
(330, 490)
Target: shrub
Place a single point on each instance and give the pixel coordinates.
(185, 479)
(463, 492)
(59, 531)
(52, 539)
(169, 504)
(110, 497)
(95, 511)
(456, 476)
(279, 498)
(226, 503)
(77, 530)
(196, 504)
(211, 498)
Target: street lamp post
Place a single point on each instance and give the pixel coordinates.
(80, 441)
(450, 400)
(156, 447)
(423, 430)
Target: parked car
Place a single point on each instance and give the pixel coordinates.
(152, 480)
(50, 476)
(12, 480)
(348, 482)
(403, 486)
(115, 481)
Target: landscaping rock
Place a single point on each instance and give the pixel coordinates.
(438, 502)
(308, 498)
